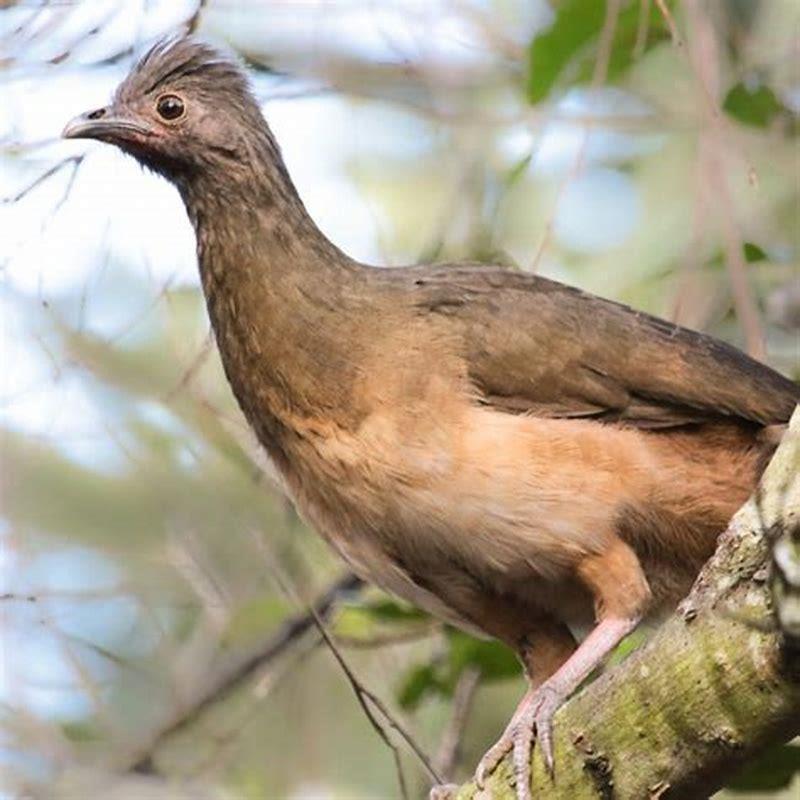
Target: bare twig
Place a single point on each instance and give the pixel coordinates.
(599, 75)
(365, 697)
(194, 367)
(572, 173)
(673, 28)
(449, 751)
(606, 42)
(194, 20)
(704, 58)
(642, 30)
(74, 161)
(290, 631)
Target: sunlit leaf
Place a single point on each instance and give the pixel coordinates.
(393, 610)
(572, 40)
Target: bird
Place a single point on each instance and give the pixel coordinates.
(524, 460)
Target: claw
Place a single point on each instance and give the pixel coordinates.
(543, 720)
(493, 756)
(533, 720)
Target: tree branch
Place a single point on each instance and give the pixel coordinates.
(706, 693)
(290, 631)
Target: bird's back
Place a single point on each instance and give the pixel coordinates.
(537, 346)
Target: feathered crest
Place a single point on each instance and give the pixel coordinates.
(184, 61)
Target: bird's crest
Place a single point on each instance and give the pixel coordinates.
(183, 61)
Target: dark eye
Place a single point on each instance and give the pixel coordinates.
(170, 107)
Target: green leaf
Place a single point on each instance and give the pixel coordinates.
(753, 253)
(81, 731)
(572, 40)
(392, 610)
(518, 170)
(774, 770)
(576, 23)
(440, 676)
(494, 660)
(419, 682)
(756, 107)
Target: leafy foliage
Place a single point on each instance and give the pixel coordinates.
(757, 107)
(567, 50)
(439, 676)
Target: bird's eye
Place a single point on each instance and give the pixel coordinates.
(170, 106)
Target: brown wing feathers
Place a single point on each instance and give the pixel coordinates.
(540, 347)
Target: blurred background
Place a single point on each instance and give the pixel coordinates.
(156, 634)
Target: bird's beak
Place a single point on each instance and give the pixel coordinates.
(106, 125)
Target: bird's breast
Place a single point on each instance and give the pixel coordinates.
(449, 510)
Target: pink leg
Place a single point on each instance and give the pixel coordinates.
(591, 652)
(621, 594)
(534, 715)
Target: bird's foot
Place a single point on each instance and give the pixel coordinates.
(533, 719)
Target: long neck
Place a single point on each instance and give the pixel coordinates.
(279, 294)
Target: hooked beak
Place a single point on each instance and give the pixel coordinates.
(106, 125)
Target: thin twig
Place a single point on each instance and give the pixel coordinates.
(598, 78)
(75, 161)
(606, 42)
(704, 59)
(194, 367)
(449, 752)
(290, 631)
(677, 41)
(573, 172)
(194, 20)
(642, 29)
(363, 694)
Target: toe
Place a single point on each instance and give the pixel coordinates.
(443, 791)
(493, 756)
(544, 734)
(523, 743)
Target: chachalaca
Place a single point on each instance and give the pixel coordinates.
(515, 456)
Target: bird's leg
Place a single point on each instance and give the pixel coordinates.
(621, 595)
(546, 647)
(533, 717)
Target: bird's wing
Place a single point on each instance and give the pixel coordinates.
(536, 346)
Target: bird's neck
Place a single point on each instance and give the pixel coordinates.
(277, 292)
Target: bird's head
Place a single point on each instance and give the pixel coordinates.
(185, 108)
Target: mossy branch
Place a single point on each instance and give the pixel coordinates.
(717, 683)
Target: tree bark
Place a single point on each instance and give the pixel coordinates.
(716, 684)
